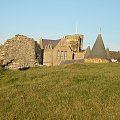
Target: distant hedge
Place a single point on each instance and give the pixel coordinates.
(115, 55)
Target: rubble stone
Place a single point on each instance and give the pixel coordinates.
(20, 51)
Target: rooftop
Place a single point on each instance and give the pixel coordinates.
(98, 50)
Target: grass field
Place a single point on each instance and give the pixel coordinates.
(68, 92)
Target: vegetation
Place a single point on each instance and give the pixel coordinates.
(115, 55)
(68, 92)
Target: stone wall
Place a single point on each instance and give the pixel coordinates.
(79, 55)
(66, 49)
(48, 57)
(61, 52)
(20, 51)
(96, 60)
(75, 42)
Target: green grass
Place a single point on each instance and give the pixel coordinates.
(68, 92)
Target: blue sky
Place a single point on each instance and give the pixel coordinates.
(54, 19)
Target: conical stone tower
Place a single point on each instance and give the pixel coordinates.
(107, 50)
(98, 53)
(87, 52)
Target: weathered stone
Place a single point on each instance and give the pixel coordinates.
(20, 51)
(67, 48)
(87, 52)
(96, 60)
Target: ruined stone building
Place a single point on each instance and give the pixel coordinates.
(20, 51)
(87, 53)
(57, 51)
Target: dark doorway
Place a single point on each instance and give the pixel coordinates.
(42, 56)
(73, 55)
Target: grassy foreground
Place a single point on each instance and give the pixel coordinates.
(68, 92)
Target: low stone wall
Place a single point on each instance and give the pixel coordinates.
(79, 55)
(96, 60)
(20, 51)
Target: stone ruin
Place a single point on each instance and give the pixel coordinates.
(20, 52)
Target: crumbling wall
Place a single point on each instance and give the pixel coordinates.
(96, 60)
(19, 52)
(75, 42)
(79, 55)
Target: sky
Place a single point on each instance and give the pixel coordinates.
(53, 19)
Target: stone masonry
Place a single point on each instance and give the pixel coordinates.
(69, 47)
(19, 52)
